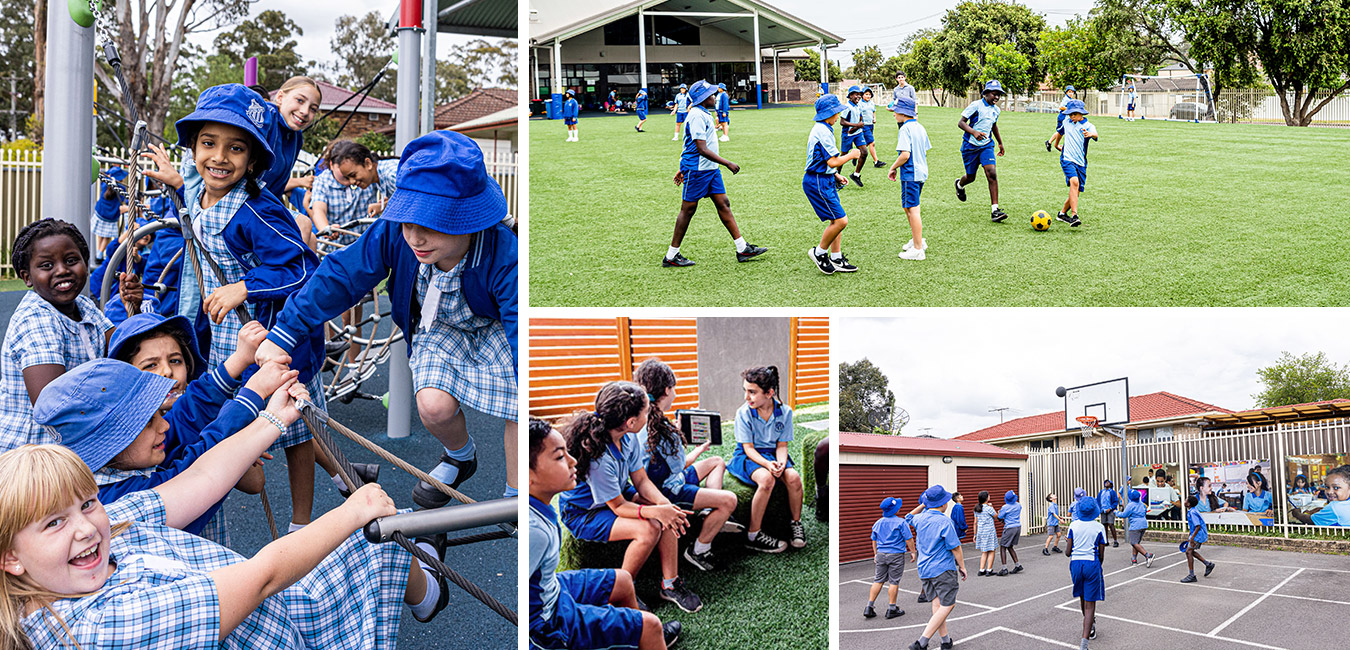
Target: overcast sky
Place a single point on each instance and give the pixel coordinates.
(948, 367)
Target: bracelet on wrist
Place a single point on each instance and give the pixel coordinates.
(276, 421)
(640, 512)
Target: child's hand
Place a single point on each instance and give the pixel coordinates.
(129, 286)
(251, 335)
(269, 378)
(164, 170)
(980, 135)
(703, 448)
(853, 155)
(679, 177)
(281, 404)
(913, 558)
(962, 570)
(374, 208)
(224, 299)
(269, 352)
(840, 180)
(369, 502)
(733, 168)
(1000, 148)
(892, 175)
(669, 516)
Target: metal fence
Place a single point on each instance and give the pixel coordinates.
(1062, 471)
(1262, 106)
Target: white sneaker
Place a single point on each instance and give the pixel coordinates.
(674, 138)
(913, 254)
(909, 245)
(724, 139)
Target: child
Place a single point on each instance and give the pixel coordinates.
(677, 475)
(1051, 524)
(724, 112)
(609, 455)
(1208, 501)
(1301, 485)
(586, 609)
(1011, 514)
(570, 112)
(107, 210)
(979, 121)
(986, 534)
(1135, 524)
(902, 89)
(1337, 510)
(1087, 549)
(763, 431)
(890, 537)
(1072, 142)
(1078, 493)
(680, 110)
(852, 121)
(1108, 501)
(55, 327)
(869, 120)
(701, 175)
(958, 515)
(1257, 498)
(911, 169)
(1199, 535)
(443, 250)
(1069, 95)
(938, 564)
(640, 106)
(821, 185)
(359, 168)
(290, 110)
(1134, 97)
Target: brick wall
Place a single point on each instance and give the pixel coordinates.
(361, 123)
(791, 91)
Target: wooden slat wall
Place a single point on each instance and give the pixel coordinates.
(810, 351)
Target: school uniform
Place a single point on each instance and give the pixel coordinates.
(818, 181)
(763, 435)
(666, 468)
(570, 609)
(1253, 503)
(1011, 514)
(702, 176)
(96, 276)
(869, 118)
(890, 534)
(585, 509)
(1135, 522)
(986, 535)
(1052, 519)
(1073, 160)
(107, 211)
(161, 595)
(165, 259)
(571, 109)
(38, 334)
(724, 107)
(1108, 501)
(1335, 513)
(912, 174)
(1064, 112)
(640, 104)
(346, 205)
(904, 91)
(681, 107)
(853, 136)
(981, 116)
(1198, 527)
(1134, 97)
(935, 538)
(285, 144)
(1085, 565)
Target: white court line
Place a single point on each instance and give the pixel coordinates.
(915, 593)
(1038, 638)
(1254, 603)
(1281, 566)
(1176, 629)
(1250, 591)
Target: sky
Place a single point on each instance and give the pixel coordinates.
(949, 367)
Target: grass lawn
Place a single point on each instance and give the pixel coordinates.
(1175, 214)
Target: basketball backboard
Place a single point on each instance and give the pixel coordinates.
(1108, 401)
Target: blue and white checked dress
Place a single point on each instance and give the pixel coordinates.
(459, 352)
(38, 334)
(986, 538)
(161, 596)
(345, 204)
(216, 529)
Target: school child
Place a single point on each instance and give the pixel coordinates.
(986, 534)
(1136, 523)
(1078, 493)
(1069, 95)
(585, 609)
(821, 184)
(1208, 501)
(135, 261)
(613, 105)
(290, 110)
(978, 122)
(724, 112)
(1133, 98)
(852, 123)
(869, 120)
(680, 110)
(570, 112)
(939, 563)
(442, 248)
(1011, 514)
(678, 475)
(1087, 548)
(911, 169)
(1072, 142)
(640, 106)
(1051, 524)
(1301, 485)
(763, 429)
(322, 587)
(958, 515)
(1337, 510)
(1257, 498)
(902, 89)
(107, 211)
(1199, 535)
(701, 175)
(890, 538)
(55, 327)
(359, 168)
(609, 455)
(1108, 501)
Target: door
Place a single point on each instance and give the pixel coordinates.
(861, 489)
(997, 480)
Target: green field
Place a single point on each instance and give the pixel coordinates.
(1175, 214)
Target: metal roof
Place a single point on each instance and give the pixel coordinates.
(498, 18)
(562, 19)
(1291, 413)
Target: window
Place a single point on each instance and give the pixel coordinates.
(1043, 445)
(1078, 441)
(670, 30)
(1146, 435)
(1162, 434)
(622, 32)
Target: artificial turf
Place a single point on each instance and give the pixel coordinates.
(1174, 214)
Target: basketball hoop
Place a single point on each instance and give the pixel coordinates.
(1088, 423)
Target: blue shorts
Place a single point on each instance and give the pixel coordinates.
(851, 141)
(823, 195)
(680, 115)
(687, 491)
(592, 525)
(583, 619)
(724, 116)
(742, 467)
(1087, 580)
(702, 183)
(975, 158)
(909, 193)
(570, 121)
(867, 134)
(1074, 170)
(642, 115)
(1130, 107)
(1059, 119)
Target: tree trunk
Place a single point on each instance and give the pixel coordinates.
(39, 59)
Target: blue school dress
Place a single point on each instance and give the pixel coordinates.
(986, 535)
(585, 509)
(346, 204)
(763, 435)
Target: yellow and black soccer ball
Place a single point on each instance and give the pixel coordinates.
(1040, 220)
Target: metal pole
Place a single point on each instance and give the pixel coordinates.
(759, 96)
(556, 104)
(405, 130)
(68, 140)
(824, 69)
(13, 124)
(429, 67)
(443, 520)
(642, 50)
(777, 90)
(534, 55)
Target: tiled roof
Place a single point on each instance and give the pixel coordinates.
(1143, 408)
(476, 104)
(871, 443)
(334, 95)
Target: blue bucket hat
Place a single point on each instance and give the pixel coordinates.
(1075, 106)
(1079, 493)
(855, 89)
(1134, 495)
(443, 185)
(100, 407)
(890, 506)
(684, 86)
(935, 497)
(722, 86)
(828, 106)
(995, 86)
(905, 106)
(571, 92)
(1068, 88)
(140, 324)
(1010, 497)
(1087, 509)
(700, 92)
(232, 104)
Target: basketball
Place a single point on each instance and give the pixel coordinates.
(1040, 220)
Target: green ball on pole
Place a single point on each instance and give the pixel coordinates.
(81, 13)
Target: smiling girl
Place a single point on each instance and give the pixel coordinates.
(763, 429)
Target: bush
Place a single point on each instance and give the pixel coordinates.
(375, 141)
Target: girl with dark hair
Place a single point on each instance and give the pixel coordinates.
(1258, 498)
(763, 429)
(986, 535)
(609, 455)
(1207, 500)
(1301, 485)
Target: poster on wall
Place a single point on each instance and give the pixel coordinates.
(1157, 486)
(1233, 492)
(1318, 488)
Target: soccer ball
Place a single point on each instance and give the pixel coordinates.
(1040, 220)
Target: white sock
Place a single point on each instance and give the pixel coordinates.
(995, 207)
(337, 480)
(752, 535)
(701, 548)
(433, 595)
(510, 493)
(818, 252)
(672, 251)
(294, 527)
(447, 473)
(667, 583)
(835, 257)
(740, 244)
(576, 136)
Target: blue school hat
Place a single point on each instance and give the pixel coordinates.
(995, 86)
(443, 185)
(1079, 493)
(1010, 497)
(99, 407)
(684, 86)
(935, 497)
(1087, 509)
(571, 92)
(905, 106)
(1075, 106)
(890, 506)
(722, 86)
(1134, 495)
(140, 324)
(701, 91)
(1068, 88)
(232, 104)
(855, 89)
(828, 106)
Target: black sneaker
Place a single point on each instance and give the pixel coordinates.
(1017, 569)
(842, 265)
(1189, 578)
(1092, 632)
(922, 598)
(1047, 145)
(878, 164)
(822, 262)
(798, 530)
(642, 607)
(751, 251)
(678, 260)
(1115, 544)
(428, 497)
(948, 645)
(856, 178)
(960, 191)
(765, 543)
(701, 561)
(671, 629)
(998, 216)
(368, 473)
(1209, 568)
(681, 596)
(1056, 550)
(635, 128)
(894, 612)
(1004, 572)
(916, 646)
(868, 612)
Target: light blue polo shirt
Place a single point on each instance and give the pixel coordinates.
(1011, 514)
(681, 102)
(698, 126)
(1135, 512)
(1336, 513)
(869, 112)
(1086, 535)
(1064, 104)
(1198, 524)
(673, 457)
(890, 534)
(852, 113)
(763, 434)
(1253, 503)
(1075, 143)
(934, 538)
(820, 148)
(545, 551)
(906, 91)
(914, 139)
(608, 475)
(1052, 515)
(981, 115)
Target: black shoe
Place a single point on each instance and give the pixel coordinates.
(1045, 551)
(868, 612)
(980, 573)
(642, 607)
(678, 260)
(1004, 572)
(1115, 544)
(765, 543)
(1209, 568)
(1092, 632)
(367, 472)
(1056, 550)
(682, 597)
(635, 128)
(947, 645)
(1047, 145)
(856, 178)
(701, 561)
(429, 497)
(1189, 578)
(922, 599)
(1017, 569)
(997, 216)
(842, 265)
(894, 612)
(437, 541)
(878, 164)
(671, 629)
(960, 191)
(822, 262)
(751, 251)
(798, 539)
(916, 646)
(1072, 220)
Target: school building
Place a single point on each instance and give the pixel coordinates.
(595, 46)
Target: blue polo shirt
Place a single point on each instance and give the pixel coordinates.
(760, 433)
(981, 116)
(724, 102)
(869, 112)
(545, 551)
(1064, 104)
(641, 100)
(1135, 513)
(1336, 513)
(698, 126)
(608, 475)
(1253, 503)
(914, 139)
(934, 538)
(1075, 142)
(1198, 525)
(890, 534)
(682, 103)
(1052, 515)
(852, 113)
(1011, 514)
(820, 148)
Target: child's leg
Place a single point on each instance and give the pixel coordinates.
(687, 209)
(764, 482)
(893, 594)
(915, 225)
(1048, 539)
(874, 592)
(724, 213)
(711, 471)
(653, 635)
(829, 239)
(991, 174)
(624, 593)
(1003, 555)
(417, 584)
(444, 420)
(509, 442)
(1085, 607)
(1013, 552)
(669, 546)
(794, 488)
(723, 504)
(644, 535)
(1073, 205)
(1190, 560)
(1068, 204)
(300, 471)
(857, 166)
(937, 624)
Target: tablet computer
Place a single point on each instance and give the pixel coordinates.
(698, 426)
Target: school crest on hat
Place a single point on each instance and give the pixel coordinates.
(255, 112)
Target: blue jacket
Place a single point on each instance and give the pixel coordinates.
(285, 143)
(571, 108)
(96, 278)
(959, 518)
(489, 283)
(724, 103)
(1108, 500)
(168, 242)
(108, 210)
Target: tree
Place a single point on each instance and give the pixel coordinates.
(921, 70)
(16, 62)
(363, 48)
(867, 64)
(270, 37)
(486, 63)
(809, 69)
(1004, 62)
(862, 390)
(1301, 379)
(893, 65)
(452, 80)
(960, 53)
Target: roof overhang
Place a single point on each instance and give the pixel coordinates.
(564, 19)
(1280, 414)
(498, 18)
(501, 120)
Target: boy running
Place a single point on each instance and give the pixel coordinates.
(821, 185)
(979, 121)
(852, 121)
(1199, 535)
(1072, 141)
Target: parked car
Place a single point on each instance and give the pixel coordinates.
(1041, 107)
(1190, 111)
